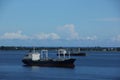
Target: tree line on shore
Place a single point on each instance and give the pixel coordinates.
(56, 48)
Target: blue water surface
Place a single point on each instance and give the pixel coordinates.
(94, 66)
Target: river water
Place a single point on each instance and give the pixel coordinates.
(94, 66)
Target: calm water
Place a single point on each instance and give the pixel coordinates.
(94, 66)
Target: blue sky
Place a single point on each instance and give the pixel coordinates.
(60, 22)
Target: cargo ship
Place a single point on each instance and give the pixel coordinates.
(41, 59)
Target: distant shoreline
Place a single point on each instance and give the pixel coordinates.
(67, 48)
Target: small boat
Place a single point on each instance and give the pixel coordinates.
(41, 59)
(74, 53)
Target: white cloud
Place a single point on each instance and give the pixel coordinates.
(69, 31)
(117, 38)
(19, 35)
(52, 36)
(14, 35)
(92, 38)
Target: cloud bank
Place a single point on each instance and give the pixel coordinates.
(66, 35)
(14, 35)
(52, 36)
(70, 33)
(65, 32)
(19, 35)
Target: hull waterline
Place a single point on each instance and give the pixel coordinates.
(50, 63)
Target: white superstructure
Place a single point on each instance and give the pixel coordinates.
(35, 56)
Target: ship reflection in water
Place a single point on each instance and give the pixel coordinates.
(41, 59)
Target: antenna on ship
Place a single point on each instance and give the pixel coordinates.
(34, 49)
(69, 53)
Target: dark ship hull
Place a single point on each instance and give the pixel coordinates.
(50, 63)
